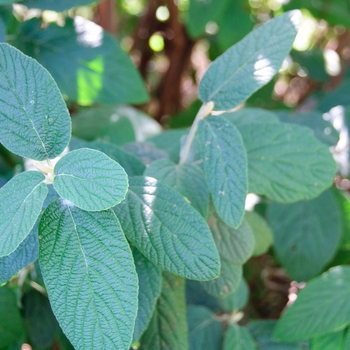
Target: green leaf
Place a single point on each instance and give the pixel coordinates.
(200, 13)
(187, 179)
(286, 162)
(262, 332)
(263, 237)
(238, 338)
(21, 200)
(11, 326)
(39, 318)
(204, 331)
(168, 326)
(322, 307)
(132, 165)
(167, 230)
(146, 151)
(54, 5)
(2, 30)
(34, 118)
(85, 258)
(150, 285)
(25, 254)
(238, 299)
(250, 64)
(87, 63)
(225, 167)
(90, 180)
(332, 341)
(306, 234)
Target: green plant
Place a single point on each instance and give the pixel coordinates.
(118, 230)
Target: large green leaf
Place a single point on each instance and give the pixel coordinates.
(21, 200)
(262, 233)
(249, 64)
(323, 306)
(150, 285)
(204, 331)
(168, 326)
(200, 13)
(187, 179)
(146, 151)
(90, 180)
(238, 338)
(286, 162)
(90, 276)
(262, 333)
(306, 234)
(167, 230)
(34, 118)
(25, 254)
(332, 341)
(11, 326)
(225, 167)
(87, 63)
(132, 165)
(55, 5)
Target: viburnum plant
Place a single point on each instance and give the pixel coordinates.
(116, 239)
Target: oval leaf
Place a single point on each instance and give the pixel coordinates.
(34, 118)
(323, 306)
(238, 338)
(250, 64)
(90, 180)
(167, 230)
(225, 167)
(21, 200)
(86, 260)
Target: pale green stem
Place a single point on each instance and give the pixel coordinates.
(203, 112)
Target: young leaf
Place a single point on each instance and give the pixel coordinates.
(250, 64)
(34, 118)
(204, 331)
(168, 326)
(90, 180)
(286, 162)
(187, 179)
(150, 285)
(92, 66)
(21, 200)
(225, 167)
(11, 326)
(90, 276)
(323, 306)
(306, 234)
(167, 230)
(54, 5)
(25, 254)
(238, 338)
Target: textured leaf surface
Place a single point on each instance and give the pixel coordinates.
(262, 333)
(25, 254)
(11, 326)
(263, 237)
(168, 326)
(332, 341)
(225, 167)
(34, 118)
(132, 165)
(167, 230)
(90, 276)
(238, 338)
(150, 285)
(323, 306)
(306, 234)
(286, 162)
(90, 179)
(187, 179)
(204, 332)
(87, 63)
(54, 5)
(21, 200)
(249, 64)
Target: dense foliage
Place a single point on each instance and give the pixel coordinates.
(221, 222)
